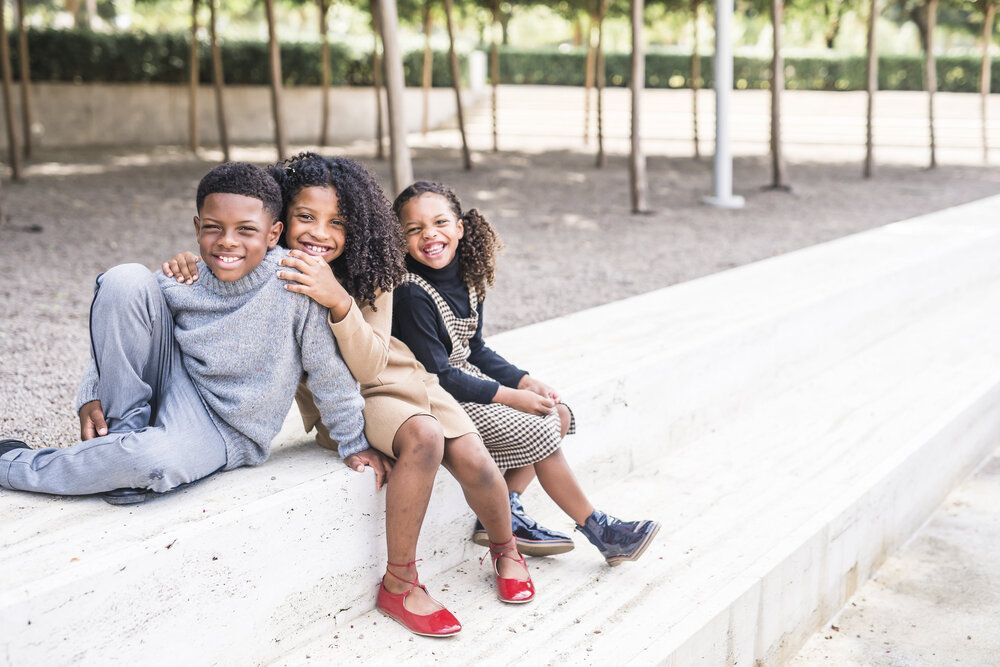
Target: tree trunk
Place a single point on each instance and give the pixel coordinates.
(495, 71)
(22, 48)
(931, 66)
(402, 168)
(193, 80)
(637, 161)
(777, 85)
(217, 83)
(695, 78)
(377, 81)
(275, 60)
(324, 113)
(456, 83)
(504, 23)
(8, 102)
(599, 81)
(428, 74)
(871, 87)
(588, 77)
(984, 75)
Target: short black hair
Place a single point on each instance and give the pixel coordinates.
(372, 260)
(241, 178)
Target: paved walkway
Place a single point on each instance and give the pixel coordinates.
(817, 126)
(936, 601)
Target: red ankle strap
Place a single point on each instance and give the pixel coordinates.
(409, 566)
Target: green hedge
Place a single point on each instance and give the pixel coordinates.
(954, 73)
(85, 56)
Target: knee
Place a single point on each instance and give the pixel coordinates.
(126, 280)
(469, 455)
(421, 441)
(565, 419)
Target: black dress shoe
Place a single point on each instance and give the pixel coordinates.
(11, 445)
(127, 496)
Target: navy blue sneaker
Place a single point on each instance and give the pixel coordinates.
(11, 445)
(618, 541)
(532, 539)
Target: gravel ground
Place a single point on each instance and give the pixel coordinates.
(571, 243)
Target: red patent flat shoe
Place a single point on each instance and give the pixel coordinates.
(441, 623)
(514, 591)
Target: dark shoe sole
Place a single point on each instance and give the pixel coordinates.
(529, 547)
(618, 560)
(116, 498)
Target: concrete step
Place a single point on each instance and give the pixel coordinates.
(700, 404)
(770, 522)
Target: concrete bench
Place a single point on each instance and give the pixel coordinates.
(790, 422)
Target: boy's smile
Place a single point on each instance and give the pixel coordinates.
(315, 225)
(234, 233)
(432, 232)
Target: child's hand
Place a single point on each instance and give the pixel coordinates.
(375, 459)
(316, 280)
(525, 401)
(183, 267)
(92, 422)
(537, 386)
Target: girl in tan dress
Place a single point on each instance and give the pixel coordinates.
(347, 254)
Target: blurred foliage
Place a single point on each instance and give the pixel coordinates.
(87, 56)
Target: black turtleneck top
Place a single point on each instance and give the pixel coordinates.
(417, 322)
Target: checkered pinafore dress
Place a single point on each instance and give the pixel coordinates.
(514, 438)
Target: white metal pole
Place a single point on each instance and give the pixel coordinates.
(722, 179)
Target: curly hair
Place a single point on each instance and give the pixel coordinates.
(241, 178)
(478, 248)
(372, 260)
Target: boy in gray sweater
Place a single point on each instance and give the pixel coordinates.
(198, 378)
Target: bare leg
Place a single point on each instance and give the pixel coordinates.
(558, 480)
(518, 479)
(483, 485)
(419, 448)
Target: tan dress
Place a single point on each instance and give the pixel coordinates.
(394, 384)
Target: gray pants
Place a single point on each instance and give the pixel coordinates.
(159, 433)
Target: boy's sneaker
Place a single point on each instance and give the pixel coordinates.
(618, 541)
(532, 539)
(11, 445)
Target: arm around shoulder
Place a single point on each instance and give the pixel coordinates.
(335, 391)
(363, 338)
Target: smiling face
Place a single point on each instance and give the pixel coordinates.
(234, 233)
(315, 225)
(431, 229)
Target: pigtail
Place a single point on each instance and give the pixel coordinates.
(477, 252)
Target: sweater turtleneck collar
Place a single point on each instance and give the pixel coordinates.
(251, 281)
(444, 275)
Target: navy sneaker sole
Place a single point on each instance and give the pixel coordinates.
(530, 547)
(618, 560)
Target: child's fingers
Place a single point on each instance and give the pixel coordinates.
(295, 276)
(165, 267)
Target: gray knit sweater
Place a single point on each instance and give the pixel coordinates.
(246, 345)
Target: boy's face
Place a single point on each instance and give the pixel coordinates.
(234, 233)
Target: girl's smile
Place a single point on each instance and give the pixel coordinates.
(315, 225)
(432, 232)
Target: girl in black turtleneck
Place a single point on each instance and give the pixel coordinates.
(438, 313)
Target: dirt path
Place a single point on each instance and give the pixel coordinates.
(571, 243)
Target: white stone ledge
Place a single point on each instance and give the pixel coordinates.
(671, 389)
